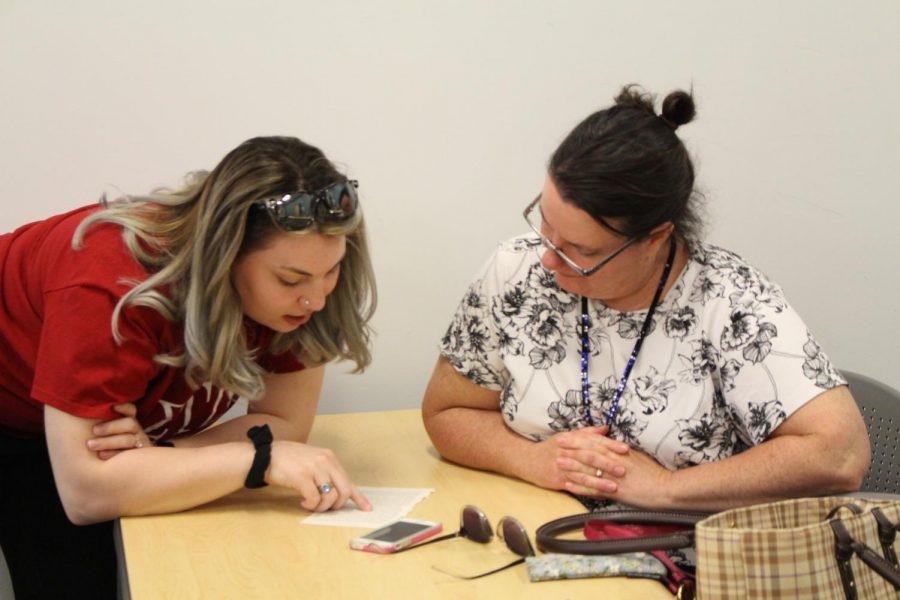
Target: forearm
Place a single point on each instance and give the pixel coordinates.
(288, 408)
(156, 480)
(479, 438)
(780, 468)
(235, 430)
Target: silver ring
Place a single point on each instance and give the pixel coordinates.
(599, 473)
(325, 488)
(137, 441)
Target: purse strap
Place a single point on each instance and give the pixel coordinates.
(548, 542)
(887, 532)
(844, 549)
(854, 508)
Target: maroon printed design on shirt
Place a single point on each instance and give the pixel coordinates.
(186, 413)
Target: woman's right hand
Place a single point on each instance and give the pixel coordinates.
(591, 452)
(305, 468)
(118, 435)
(550, 460)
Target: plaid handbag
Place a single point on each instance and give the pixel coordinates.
(808, 548)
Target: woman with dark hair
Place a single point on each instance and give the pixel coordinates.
(126, 331)
(612, 354)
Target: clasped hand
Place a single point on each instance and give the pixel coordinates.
(588, 463)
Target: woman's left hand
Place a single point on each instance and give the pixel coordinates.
(589, 451)
(117, 435)
(644, 483)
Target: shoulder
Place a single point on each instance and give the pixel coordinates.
(512, 259)
(101, 260)
(527, 243)
(724, 277)
(716, 258)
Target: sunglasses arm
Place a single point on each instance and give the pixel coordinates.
(518, 561)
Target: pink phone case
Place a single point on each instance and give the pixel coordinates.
(379, 549)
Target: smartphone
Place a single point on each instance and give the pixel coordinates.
(395, 536)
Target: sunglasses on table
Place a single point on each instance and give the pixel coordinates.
(474, 525)
(331, 205)
(535, 220)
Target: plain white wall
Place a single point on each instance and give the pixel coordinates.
(446, 112)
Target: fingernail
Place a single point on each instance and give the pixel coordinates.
(620, 471)
(91, 444)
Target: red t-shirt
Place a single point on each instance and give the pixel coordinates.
(56, 344)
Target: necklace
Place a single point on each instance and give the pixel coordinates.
(586, 346)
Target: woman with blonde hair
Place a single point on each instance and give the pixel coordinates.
(127, 329)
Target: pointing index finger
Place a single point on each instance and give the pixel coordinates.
(361, 501)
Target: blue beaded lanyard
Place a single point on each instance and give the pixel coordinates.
(586, 346)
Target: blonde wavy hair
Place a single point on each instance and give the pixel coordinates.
(188, 239)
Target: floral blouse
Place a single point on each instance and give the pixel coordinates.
(725, 362)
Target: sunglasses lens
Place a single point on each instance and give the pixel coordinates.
(515, 536)
(475, 525)
(295, 212)
(339, 202)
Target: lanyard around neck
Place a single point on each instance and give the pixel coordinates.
(645, 329)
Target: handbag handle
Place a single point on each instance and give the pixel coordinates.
(844, 549)
(548, 542)
(887, 532)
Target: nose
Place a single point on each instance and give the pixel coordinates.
(550, 260)
(313, 298)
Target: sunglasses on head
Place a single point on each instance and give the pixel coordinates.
(474, 525)
(336, 203)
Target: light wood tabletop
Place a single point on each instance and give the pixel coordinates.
(252, 544)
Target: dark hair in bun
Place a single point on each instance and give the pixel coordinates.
(626, 162)
(678, 109)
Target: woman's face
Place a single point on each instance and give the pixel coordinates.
(273, 280)
(586, 242)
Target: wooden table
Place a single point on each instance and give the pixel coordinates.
(252, 544)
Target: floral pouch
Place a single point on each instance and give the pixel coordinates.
(548, 567)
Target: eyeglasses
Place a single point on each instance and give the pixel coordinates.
(336, 203)
(534, 219)
(474, 525)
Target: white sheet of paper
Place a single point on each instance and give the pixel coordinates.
(388, 504)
